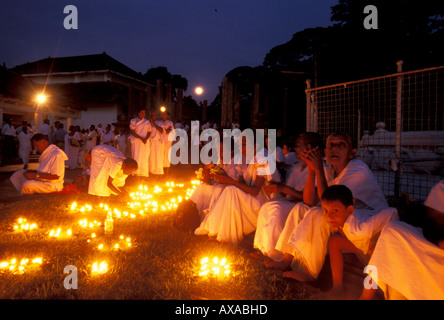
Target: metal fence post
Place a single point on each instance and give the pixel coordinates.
(398, 129)
(309, 115)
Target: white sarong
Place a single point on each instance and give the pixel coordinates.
(140, 151)
(106, 161)
(51, 161)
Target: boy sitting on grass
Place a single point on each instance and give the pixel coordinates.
(356, 233)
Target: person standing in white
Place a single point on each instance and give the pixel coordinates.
(50, 172)
(168, 138)
(25, 146)
(46, 129)
(140, 131)
(157, 146)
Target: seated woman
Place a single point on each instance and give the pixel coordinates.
(274, 213)
(209, 189)
(234, 213)
(304, 240)
(409, 261)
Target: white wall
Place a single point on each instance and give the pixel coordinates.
(104, 114)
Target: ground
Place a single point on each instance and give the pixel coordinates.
(160, 266)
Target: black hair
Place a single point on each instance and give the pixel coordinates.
(39, 137)
(339, 193)
(313, 139)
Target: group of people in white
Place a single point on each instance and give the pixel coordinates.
(325, 204)
(321, 202)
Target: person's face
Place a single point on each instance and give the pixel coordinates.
(299, 147)
(335, 213)
(40, 146)
(338, 151)
(164, 116)
(126, 170)
(285, 149)
(141, 114)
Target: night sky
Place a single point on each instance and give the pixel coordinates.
(200, 40)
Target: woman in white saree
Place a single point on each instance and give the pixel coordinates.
(234, 214)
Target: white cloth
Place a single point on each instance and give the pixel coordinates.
(290, 158)
(167, 141)
(435, 199)
(121, 143)
(235, 212)
(140, 151)
(408, 263)
(107, 138)
(157, 150)
(45, 129)
(91, 141)
(274, 213)
(106, 161)
(72, 151)
(206, 194)
(25, 146)
(8, 130)
(309, 240)
(51, 161)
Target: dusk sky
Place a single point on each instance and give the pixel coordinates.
(199, 39)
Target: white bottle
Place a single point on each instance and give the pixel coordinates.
(109, 223)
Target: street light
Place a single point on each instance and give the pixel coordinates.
(162, 109)
(41, 98)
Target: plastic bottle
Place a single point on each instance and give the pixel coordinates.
(109, 223)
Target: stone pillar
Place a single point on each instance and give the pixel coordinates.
(223, 116)
(256, 100)
(159, 96)
(169, 98)
(179, 104)
(230, 104)
(204, 111)
(149, 97)
(237, 105)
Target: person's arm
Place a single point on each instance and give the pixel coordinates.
(283, 188)
(315, 166)
(134, 134)
(119, 192)
(158, 128)
(30, 175)
(253, 190)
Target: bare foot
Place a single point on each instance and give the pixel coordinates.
(258, 255)
(298, 276)
(283, 265)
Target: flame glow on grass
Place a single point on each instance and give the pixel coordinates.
(214, 267)
(23, 225)
(21, 267)
(99, 267)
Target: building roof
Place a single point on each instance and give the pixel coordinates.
(85, 63)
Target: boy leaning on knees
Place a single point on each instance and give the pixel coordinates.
(354, 232)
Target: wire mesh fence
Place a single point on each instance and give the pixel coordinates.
(396, 121)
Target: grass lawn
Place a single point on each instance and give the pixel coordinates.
(161, 263)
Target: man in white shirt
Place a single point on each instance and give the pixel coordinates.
(109, 170)
(9, 137)
(50, 173)
(46, 129)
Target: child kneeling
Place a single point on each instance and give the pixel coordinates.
(356, 233)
